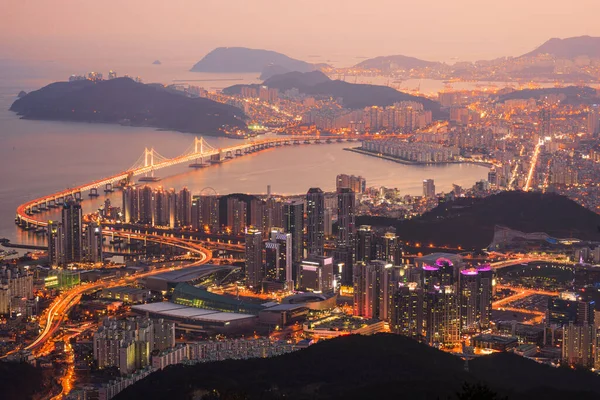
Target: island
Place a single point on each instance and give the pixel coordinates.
(126, 102)
(243, 59)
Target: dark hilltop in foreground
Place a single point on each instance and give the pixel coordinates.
(355, 367)
(470, 222)
(123, 101)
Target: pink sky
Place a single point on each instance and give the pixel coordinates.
(178, 29)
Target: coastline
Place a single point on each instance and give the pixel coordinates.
(415, 163)
(158, 129)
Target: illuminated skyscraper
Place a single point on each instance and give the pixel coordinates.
(278, 256)
(316, 274)
(293, 223)
(469, 296)
(209, 213)
(428, 189)
(315, 225)
(93, 243)
(346, 217)
(55, 244)
(254, 258)
(72, 231)
(184, 208)
(236, 215)
(372, 289)
(407, 310)
(364, 243)
(388, 248)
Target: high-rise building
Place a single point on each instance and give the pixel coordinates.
(578, 344)
(388, 248)
(254, 258)
(146, 205)
(486, 293)
(428, 189)
(346, 217)
(316, 274)
(364, 244)
(130, 204)
(273, 213)
(469, 296)
(278, 256)
(184, 208)
(55, 244)
(357, 184)
(406, 314)
(209, 213)
(293, 223)
(127, 344)
(236, 215)
(93, 243)
(257, 214)
(315, 222)
(593, 120)
(72, 232)
(372, 285)
(441, 316)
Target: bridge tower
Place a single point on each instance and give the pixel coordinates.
(149, 162)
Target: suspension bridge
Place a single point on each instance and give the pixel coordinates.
(199, 154)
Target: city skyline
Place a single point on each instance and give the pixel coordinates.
(443, 31)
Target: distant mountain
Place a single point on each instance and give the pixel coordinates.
(385, 63)
(470, 222)
(382, 366)
(299, 80)
(573, 94)
(353, 96)
(127, 102)
(242, 59)
(569, 48)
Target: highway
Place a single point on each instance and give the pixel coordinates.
(54, 315)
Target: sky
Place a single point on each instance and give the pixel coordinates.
(340, 30)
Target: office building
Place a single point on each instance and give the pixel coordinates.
(428, 189)
(315, 222)
(72, 232)
(278, 257)
(316, 274)
(273, 213)
(254, 259)
(293, 223)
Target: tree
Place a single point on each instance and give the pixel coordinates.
(477, 391)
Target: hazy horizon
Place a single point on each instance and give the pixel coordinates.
(341, 31)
